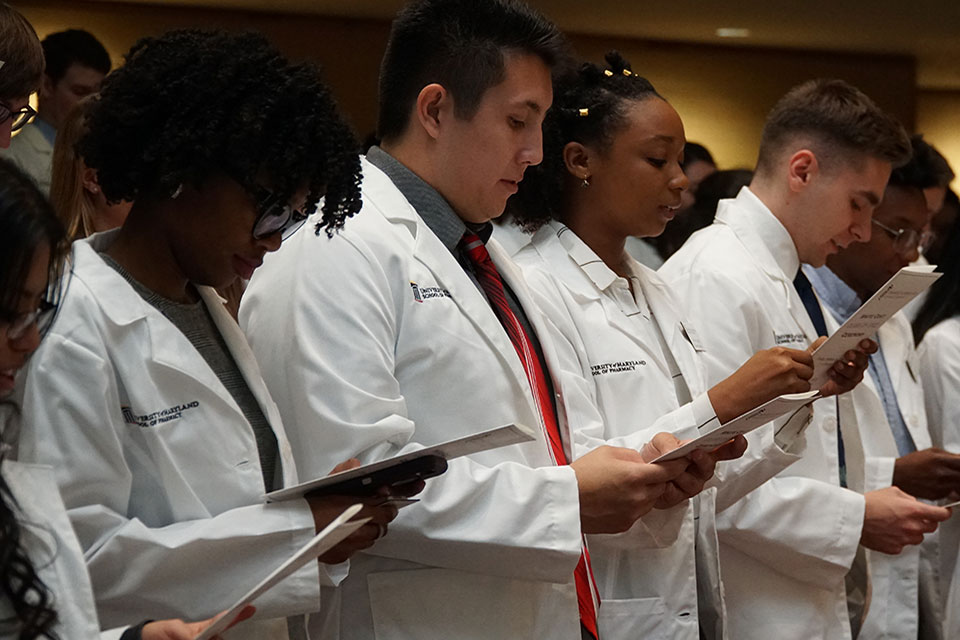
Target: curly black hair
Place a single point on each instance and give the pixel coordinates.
(192, 103)
(589, 107)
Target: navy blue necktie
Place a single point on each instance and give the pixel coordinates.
(812, 305)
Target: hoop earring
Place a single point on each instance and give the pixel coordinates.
(176, 192)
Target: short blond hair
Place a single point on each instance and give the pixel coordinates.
(74, 206)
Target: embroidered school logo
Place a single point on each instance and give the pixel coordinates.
(604, 368)
(157, 417)
(428, 293)
(789, 338)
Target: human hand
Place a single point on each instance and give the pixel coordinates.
(893, 519)
(617, 486)
(766, 375)
(180, 630)
(700, 466)
(326, 508)
(930, 473)
(847, 372)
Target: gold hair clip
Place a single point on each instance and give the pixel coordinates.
(627, 72)
(584, 113)
(607, 72)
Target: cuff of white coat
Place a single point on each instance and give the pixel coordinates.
(703, 413)
(847, 531)
(789, 430)
(878, 473)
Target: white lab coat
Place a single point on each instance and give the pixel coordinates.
(646, 592)
(894, 579)
(157, 465)
(785, 549)
(32, 152)
(939, 355)
(376, 342)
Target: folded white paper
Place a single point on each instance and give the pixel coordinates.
(331, 535)
(475, 443)
(899, 290)
(742, 424)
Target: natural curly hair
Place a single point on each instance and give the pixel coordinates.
(589, 107)
(193, 103)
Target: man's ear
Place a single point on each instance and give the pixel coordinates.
(434, 103)
(579, 160)
(802, 168)
(47, 87)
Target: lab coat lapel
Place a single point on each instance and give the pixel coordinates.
(124, 307)
(511, 273)
(431, 253)
(902, 363)
(243, 356)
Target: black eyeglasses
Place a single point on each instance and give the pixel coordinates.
(905, 241)
(20, 118)
(274, 215)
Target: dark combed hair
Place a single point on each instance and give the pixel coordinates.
(693, 152)
(26, 222)
(21, 54)
(589, 107)
(836, 117)
(459, 44)
(73, 46)
(943, 301)
(193, 103)
(925, 169)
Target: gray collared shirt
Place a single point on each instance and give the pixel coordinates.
(440, 218)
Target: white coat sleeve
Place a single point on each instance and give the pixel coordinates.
(327, 351)
(939, 356)
(191, 569)
(803, 527)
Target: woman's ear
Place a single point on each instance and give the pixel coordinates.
(88, 177)
(578, 160)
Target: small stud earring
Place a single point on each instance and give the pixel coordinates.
(586, 182)
(95, 189)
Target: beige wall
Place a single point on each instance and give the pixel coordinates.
(722, 93)
(938, 119)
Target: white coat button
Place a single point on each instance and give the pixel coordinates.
(830, 425)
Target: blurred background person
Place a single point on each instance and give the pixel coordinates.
(76, 64)
(74, 191)
(717, 186)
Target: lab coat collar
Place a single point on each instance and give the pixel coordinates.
(764, 235)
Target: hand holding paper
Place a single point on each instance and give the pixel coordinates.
(903, 287)
(340, 528)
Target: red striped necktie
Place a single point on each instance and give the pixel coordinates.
(489, 278)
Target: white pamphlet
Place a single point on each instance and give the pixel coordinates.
(331, 535)
(744, 423)
(899, 290)
(475, 443)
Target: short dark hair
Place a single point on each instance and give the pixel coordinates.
(21, 54)
(193, 103)
(73, 46)
(589, 107)
(926, 168)
(838, 119)
(693, 152)
(459, 44)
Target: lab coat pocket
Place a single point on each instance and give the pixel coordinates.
(633, 619)
(440, 604)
